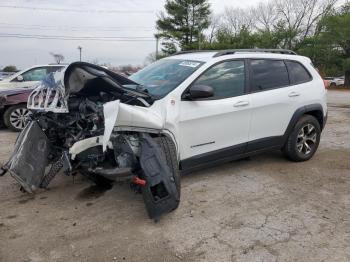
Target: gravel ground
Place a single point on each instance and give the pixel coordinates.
(262, 209)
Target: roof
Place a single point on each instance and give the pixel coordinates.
(199, 56)
(208, 55)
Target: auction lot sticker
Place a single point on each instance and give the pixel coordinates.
(189, 63)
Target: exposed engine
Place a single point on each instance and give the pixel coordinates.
(69, 132)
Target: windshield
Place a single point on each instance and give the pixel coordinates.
(163, 76)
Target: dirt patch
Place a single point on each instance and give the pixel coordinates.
(263, 209)
(92, 192)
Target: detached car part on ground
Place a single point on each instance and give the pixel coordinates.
(84, 121)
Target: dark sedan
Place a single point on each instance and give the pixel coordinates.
(13, 107)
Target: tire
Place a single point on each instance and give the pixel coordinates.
(170, 153)
(304, 139)
(16, 117)
(333, 84)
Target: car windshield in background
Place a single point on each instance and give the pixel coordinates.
(163, 76)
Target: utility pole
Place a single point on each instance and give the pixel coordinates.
(199, 38)
(80, 48)
(157, 40)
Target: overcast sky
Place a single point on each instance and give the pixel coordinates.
(87, 18)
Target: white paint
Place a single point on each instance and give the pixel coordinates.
(110, 111)
(82, 145)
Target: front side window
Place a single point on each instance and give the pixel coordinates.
(36, 74)
(163, 76)
(227, 79)
(297, 73)
(268, 74)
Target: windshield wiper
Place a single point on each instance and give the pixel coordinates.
(142, 89)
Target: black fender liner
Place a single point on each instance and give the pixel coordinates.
(159, 194)
(302, 111)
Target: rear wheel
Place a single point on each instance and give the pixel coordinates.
(303, 142)
(16, 117)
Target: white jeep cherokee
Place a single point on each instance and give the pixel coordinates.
(218, 106)
(180, 113)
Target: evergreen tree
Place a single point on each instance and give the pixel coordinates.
(182, 24)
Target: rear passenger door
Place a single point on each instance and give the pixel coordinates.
(274, 101)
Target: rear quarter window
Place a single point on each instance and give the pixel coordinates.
(297, 73)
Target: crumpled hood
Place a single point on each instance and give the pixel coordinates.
(79, 78)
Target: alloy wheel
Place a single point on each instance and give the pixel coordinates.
(306, 139)
(19, 117)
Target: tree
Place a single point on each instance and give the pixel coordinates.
(152, 57)
(236, 19)
(336, 30)
(57, 57)
(265, 16)
(297, 18)
(10, 68)
(183, 24)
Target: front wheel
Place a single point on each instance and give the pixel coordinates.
(16, 117)
(169, 150)
(303, 142)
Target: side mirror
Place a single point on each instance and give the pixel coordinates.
(20, 78)
(200, 91)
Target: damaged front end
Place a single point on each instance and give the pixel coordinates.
(84, 121)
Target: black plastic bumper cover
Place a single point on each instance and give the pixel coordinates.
(160, 194)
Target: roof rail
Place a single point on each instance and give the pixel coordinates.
(233, 51)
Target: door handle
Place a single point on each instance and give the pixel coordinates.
(241, 103)
(293, 94)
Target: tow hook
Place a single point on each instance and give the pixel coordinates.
(138, 181)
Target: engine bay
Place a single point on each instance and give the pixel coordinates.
(72, 132)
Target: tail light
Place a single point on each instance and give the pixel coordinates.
(325, 83)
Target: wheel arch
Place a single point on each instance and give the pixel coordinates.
(315, 110)
(153, 133)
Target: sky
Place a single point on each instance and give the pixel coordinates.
(126, 27)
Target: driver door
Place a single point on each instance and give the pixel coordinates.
(216, 128)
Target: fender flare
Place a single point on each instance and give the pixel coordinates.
(299, 113)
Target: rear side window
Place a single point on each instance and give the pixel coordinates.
(227, 79)
(268, 74)
(53, 69)
(297, 73)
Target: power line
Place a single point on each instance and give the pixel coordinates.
(110, 11)
(30, 27)
(84, 37)
(81, 38)
(86, 27)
